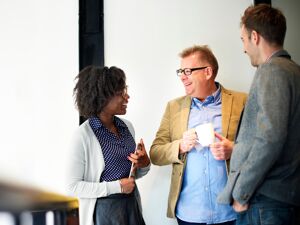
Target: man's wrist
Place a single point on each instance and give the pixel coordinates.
(181, 148)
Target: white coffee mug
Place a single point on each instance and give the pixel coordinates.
(205, 133)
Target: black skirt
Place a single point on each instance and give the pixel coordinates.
(118, 209)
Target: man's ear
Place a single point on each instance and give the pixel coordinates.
(208, 72)
(255, 37)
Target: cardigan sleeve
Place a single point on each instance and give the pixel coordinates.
(82, 175)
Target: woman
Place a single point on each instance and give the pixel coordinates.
(103, 149)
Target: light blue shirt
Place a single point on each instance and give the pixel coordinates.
(204, 177)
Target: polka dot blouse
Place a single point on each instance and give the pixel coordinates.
(115, 149)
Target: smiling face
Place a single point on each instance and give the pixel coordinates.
(196, 83)
(250, 45)
(117, 105)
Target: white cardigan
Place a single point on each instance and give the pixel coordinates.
(86, 164)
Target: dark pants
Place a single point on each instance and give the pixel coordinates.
(118, 209)
(266, 211)
(180, 222)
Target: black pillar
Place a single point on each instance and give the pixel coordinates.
(256, 2)
(91, 34)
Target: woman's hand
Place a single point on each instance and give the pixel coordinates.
(140, 157)
(127, 185)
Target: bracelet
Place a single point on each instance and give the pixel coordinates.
(122, 190)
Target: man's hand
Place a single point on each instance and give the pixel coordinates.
(239, 207)
(188, 141)
(140, 157)
(221, 150)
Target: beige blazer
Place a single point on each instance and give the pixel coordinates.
(165, 147)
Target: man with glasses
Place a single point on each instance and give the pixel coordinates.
(199, 172)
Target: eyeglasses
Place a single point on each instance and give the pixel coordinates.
(188, 71)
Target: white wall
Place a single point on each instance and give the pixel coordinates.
(291, 9)
(39, 60)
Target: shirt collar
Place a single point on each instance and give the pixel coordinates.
(273, 54)
(97, 124)
(279, 53)
(214, 98)
(119, 122)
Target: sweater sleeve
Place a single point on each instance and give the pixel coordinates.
(81, 176)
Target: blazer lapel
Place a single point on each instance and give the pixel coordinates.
(226, 110)
(185, 110)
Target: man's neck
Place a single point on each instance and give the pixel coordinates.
(212, 87)
(268, 51)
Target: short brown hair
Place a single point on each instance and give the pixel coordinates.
(269, 22)
(205, 54)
